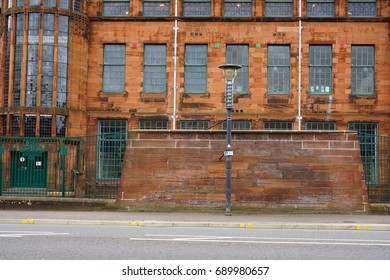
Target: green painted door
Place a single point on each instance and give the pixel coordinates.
(29, 170)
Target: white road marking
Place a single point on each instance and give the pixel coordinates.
(19, 234)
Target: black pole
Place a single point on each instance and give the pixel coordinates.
(229, 152)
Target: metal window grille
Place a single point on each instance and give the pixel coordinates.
(362, 70)
(238, 125)
(45, 125)
(60, 126)
(153, 124)
(278, 125)
(195, 69)
(156, 8)
(62, 64)
(279, 8)
(30, 122)
(18, 60)
(320, 70)
(320, 8)
(116, 7)
(196, 8)
(32, 59)
(15, 125)
(194, 125)
(155, 69)
(239, 54)
(4, 125)
(7, 61)
(112, 139)
(362, 8)
(278, 69)
(114, 67)
(238, 8)
(320, 125)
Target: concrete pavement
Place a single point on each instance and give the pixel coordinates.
(169, 219)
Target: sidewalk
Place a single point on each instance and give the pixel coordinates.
(145, 219)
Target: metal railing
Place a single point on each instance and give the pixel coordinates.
(83, 167)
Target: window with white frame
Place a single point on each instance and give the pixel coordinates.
(362, 70)
(278, 69)
(155, 68)
(114, 67)
(156, 8)
(320, 8)
(195, 69)
(362, 8)
(239, 54)
(320, 69)
(279, 8)
(238, 8)
(196, 8)
(116, 7)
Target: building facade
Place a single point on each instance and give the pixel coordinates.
(76, 67)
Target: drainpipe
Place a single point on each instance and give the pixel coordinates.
(299, 116)
(176, 28)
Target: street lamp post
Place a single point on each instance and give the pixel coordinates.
(229, 73)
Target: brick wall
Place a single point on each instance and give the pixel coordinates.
(270, 169)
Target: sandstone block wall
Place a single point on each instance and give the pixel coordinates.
(271, 169)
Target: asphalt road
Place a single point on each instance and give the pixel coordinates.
(77, 242)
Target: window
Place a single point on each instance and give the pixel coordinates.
(34, 2)
(238, 8)
(51, 3)
(47, 61)
(156, 8)
(45, 124)
(279, 8)
(20, 3)
(64, 4)
(195, 69)
(362, 8)
(62, 73)
(320, 8)
(112, 139)
(238, 125)
(196, 8)
(320, 125)
(18, 61)
(362, 70)
(278, 69)
(7, 54)
(153, 124)
(32, 59)
(278, 125)
(30, 122)
(60, 126)
(15, 125)
(194, 125)
(77, 5)
(116, 7)
(239, 54)
(320, 71)
(114, 68)
(155, 69)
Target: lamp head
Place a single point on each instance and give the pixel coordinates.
(229, 70)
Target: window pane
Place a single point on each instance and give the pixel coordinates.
(116, 8)
(320, 8)
(155, 69)
(156, 8)
(278, 125)
(320, 126)
(238, 8)
(196, 8)
(195, 73)
(114, 68)
(362, 8)
(238, 125)
(153, 124)
(278, 8)
(278, 70)
(362, 70)
(320, 71)
(239, 54)
(194, 125)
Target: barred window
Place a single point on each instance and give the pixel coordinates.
(278, 125)
(30, 122)
(18, 61)
(156, 8)
(114, 68)
(112, 139)
(320, 71)
(238, 125)
(362, 70)
(32, 59)
(155, 69)
(60, 126)
(116, 7)
(239, 54)
(194, 125)
(362, 8)
(153, 124)
(238, 8)
(279, 8)
(62, 73)
(45, 125)
(320, 8)
(278, 69)
(196, 8)
(15, 125)
(320, 125)
(195, 69)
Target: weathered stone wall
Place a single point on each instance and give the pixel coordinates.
(270, 169)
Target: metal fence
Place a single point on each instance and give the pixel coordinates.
(83, 167)
(375, 152)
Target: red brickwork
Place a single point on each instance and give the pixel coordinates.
(270, 169)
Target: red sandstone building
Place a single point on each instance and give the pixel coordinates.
(76, 67)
